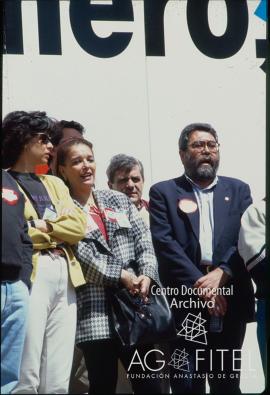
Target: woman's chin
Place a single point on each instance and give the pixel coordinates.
(44, 160)
(88, 183)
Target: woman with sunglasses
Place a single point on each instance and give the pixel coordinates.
(55, 224)
(116, 252)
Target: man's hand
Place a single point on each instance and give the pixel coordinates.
(214, 279)
(220, 307)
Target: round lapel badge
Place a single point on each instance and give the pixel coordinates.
(188, 206)
(9, 196)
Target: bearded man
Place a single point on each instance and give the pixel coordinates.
(195, 221)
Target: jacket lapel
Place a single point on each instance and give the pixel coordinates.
(110, 224)
(187, 204)
(96, 234)
(222, 198)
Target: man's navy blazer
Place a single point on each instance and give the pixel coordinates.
(175, 235)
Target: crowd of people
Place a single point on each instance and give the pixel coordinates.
(66, 244)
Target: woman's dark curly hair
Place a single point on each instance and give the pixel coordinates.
(18, 128)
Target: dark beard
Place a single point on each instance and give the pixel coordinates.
(202, 173)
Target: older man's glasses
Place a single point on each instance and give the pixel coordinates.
(201, 145)
(43, 138)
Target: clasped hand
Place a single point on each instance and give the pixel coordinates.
(212, 281)
(136, 284)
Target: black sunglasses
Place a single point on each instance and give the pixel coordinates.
(43, 138)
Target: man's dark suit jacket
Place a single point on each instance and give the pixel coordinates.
(175, 235)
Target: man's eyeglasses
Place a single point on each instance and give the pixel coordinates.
(200, 145)
(43, 138)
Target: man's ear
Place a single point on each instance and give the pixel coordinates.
(182, 154)
(109, 184)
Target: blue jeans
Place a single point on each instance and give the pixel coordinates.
(14, 310)
(261, 330)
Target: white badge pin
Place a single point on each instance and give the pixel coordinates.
(187, 206)
(11, 197)
(227, 198)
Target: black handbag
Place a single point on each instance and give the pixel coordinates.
(137, 322)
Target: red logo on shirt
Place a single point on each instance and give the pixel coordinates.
(10, 196)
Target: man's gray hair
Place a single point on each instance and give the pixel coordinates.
(184, 136)
(123, 162)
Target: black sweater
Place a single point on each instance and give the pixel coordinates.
(16, 244)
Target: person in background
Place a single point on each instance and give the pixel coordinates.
(116, 252)
(252, 248)
(16, 269)
(65, 130)
(195, 222)
(55, 225)
(126, 174)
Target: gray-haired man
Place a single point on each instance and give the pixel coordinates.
(125, 174)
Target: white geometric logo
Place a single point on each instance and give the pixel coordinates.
(193, 329)
(179, 360)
